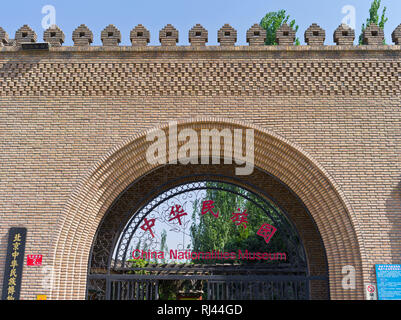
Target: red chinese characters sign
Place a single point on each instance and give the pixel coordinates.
(266, 231)
(239, 218)
(177, 212)
(34, 260)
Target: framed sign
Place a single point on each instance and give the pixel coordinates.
(34, 260)
(14, 264)
(388, 278)
(370, 291)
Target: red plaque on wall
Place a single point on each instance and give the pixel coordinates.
(34, 259)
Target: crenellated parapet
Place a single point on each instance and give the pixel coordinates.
(396, 35)
(168, 36)
(198, 36)
(82, 36)
(139, 36)
(285, 35)
(344, 35)
(315, 35)
(3, 38)
(54, 35)
(373, 35)
(25, 34)
(256, 35)
(110, 36)
(227, 35)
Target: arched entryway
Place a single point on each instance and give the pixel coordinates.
(287, 166)
(246, 246)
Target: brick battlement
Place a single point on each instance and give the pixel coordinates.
(82, 37)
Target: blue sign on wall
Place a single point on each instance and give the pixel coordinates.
(388, 278)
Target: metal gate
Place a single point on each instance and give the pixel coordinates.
(114, 274)
(216, 288)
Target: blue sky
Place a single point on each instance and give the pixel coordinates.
(183, 14)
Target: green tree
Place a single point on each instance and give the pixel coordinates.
(210, 233)
(274, 20)
(374, 18)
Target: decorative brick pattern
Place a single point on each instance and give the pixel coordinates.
(161, 77)
(25, 34)
(168, 36)
(344, 35)
(373, 35)
(54, 36)
(315, 35)
(111, 36)
(285, 35)
(198, 36)
(82, 36)
(227, 36)
(396, 35)
(139, 36)
(256, 35)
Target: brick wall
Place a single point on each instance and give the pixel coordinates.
(62, 111)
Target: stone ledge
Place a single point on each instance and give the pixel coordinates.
(199, 52)
(216, 48)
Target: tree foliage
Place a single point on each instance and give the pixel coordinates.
(374, 18)
(222, 234)
(274, 20)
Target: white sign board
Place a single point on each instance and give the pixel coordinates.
(370, 291)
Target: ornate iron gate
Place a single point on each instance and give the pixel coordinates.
(123, 279)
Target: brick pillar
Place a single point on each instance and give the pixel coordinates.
(256, 35)
(285, 35)
(396, 35)
(25, 34)
(139, 36)
(168, 36)
(82, 36)
(3, 37)
(198, 36)
(54, 35)
(373, 35)
(344, 35)
(227, 36)
(315, 35)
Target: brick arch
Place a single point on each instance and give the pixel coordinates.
(127, 162)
